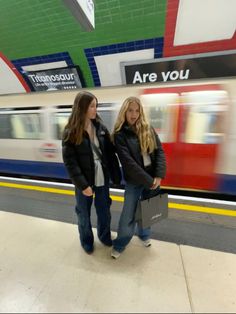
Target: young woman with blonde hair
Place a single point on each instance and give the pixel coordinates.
(89, 157)
(144, 165)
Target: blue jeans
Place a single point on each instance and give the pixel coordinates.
(102, 204)
(127, 221)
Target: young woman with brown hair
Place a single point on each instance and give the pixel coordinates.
(89, 157)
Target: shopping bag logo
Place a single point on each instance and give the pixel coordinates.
(156, 216)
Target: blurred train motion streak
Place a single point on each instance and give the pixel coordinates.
(196, 121)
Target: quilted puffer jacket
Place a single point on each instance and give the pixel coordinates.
(129, 152)
(79, 161)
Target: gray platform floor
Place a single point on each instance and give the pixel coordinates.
(182, 227)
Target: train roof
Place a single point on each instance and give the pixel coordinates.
(113, 94)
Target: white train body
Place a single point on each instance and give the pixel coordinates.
(195, 120)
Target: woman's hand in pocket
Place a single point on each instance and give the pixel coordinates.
(88, 191)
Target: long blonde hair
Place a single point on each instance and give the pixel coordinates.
(142, 128)
(76, 122)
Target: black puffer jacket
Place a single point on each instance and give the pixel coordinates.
(79, 160)
(129, 152)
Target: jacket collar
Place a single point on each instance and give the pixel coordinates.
(128, 129)
(98, 126)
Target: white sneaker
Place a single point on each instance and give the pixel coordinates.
(115, 254)
(147, 243)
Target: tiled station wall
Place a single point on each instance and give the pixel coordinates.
(41, 27)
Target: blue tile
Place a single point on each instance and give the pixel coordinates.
(121, 45)
(93, 68)
(130, 49)
(96, 50)
(139, 47)
(104, 50)
(96, 79)
(149, 41)
(97, 83)
(88, 50)
(158, 54)
(114, 46)
(88, 54)
(90, 59)
(160, 46)
(158, 40)
(98, 54)
(121, 49)
(112, 51)
(139, 42)
(147, 46)
(130, 44)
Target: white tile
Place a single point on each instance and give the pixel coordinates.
(139, 281)
(44, 269)
(211, 277)
(67, 291)
(29, 256)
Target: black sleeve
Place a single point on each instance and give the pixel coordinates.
(131, 168)
(71, 164)
(160, 160)
(113, 163)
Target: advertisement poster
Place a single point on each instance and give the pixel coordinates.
(54, 79)
(163, 70)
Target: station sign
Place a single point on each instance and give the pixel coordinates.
(167, 69)
(54, 79)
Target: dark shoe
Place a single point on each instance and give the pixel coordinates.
(88, 249)
(107, 242)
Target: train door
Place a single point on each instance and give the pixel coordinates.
(162, 109)
(189, 120)
(52, 147)
(201, 132)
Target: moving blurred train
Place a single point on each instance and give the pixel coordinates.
(196, 121)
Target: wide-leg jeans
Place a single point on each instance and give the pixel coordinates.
(102, 204)
(127, 223)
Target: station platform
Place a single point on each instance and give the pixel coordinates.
(43, 269)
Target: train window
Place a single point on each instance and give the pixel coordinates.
(162, 112)
(204, 113)
(60, 121)
(108, 113)
(26, 126)
(5, 126)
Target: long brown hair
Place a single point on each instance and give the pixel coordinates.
(142, 128)
(76, 122)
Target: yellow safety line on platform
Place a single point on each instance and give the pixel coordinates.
(194, 208)
(203, 209)
(36, 188)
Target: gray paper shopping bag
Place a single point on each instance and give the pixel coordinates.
(152, 210)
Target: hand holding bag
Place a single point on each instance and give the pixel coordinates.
(153, 207)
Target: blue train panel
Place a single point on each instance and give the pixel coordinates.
(228, 184)
(33, 168)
